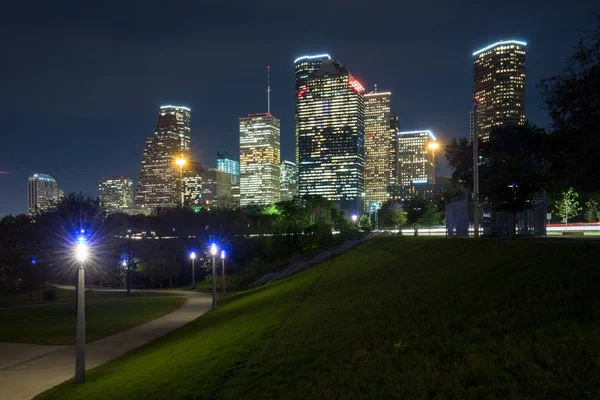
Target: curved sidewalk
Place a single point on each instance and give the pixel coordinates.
(44, 370)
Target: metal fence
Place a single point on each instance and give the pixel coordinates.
(531, 222)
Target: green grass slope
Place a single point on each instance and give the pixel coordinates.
(404, 318)
(55, 323)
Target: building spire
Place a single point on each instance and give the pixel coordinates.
(268, 89)
(375, 89)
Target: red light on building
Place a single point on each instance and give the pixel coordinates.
(302, 90)
(356, 85)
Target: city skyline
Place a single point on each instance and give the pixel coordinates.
(427, 99)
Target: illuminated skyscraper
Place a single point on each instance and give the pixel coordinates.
(259, 159)
(329, 132)
(192, 185)
(380, 146)
(289, 180)
(42, 193)
(499, 86)
(226, 163)
(216, 184)
(115, 193)
(416, 163)
(160, 183)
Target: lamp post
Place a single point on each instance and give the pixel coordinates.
(193, 257)
(181, 163)
(124, 264)
(81, 254)
(223, 268)
(213, 252)
(354, 218)
(128, 262)
(433, 146)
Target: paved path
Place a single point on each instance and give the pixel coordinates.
(27, 370)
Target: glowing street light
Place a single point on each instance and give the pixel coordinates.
(81, 255)
(223, 269)
(433, 146)
(354, 218)
(213, 251)
(181, 162)
(193, 258)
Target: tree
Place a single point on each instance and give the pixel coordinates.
(459, 154)
(573, 101)
(591, 210)
(365, 221)
(567, 205)
(514, 167)
(392, 214)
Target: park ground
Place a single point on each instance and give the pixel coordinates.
(409, 318)
(53, 323)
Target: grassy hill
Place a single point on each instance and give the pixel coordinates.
(409, 318)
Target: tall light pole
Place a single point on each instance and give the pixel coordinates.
(129, 262)
(81, 254)
(213, 252)
(193, 257)
(475, 172)
(433, 146)
(223, 268)
(181, 163)
(124, 264)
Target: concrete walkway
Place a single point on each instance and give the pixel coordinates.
(28, 370)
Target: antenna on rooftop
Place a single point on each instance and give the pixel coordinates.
(268, 89)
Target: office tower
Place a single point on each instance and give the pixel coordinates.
(259, 159)
(42, 193)
(329, 132)
(115, 193)
(380, 147)
(226, 163)
(471, 125)
(289, 181)
(304, 66)
(416, 157)
(192, 185)
(499, 86)
(161, 183)
(216, 185)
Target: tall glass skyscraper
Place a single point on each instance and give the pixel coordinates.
(499, 86)
(160, 183)
(226, 163)
(259, 159)
(115, 193)
(289, 180)
(380, 146)
(42, 193)
(329, 132)
(416, 162)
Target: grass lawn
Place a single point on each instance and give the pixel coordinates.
(65, 295)
(406, 318)
(55, 323)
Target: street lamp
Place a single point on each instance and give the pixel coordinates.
(124, 265)
(354, 218)
(213, 252)
(181, 162)
(433, 146)
(193, 257)
(81, 255)
(223, 268)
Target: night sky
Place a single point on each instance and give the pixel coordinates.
(81, 84)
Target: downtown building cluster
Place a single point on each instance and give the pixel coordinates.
(349, 145)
